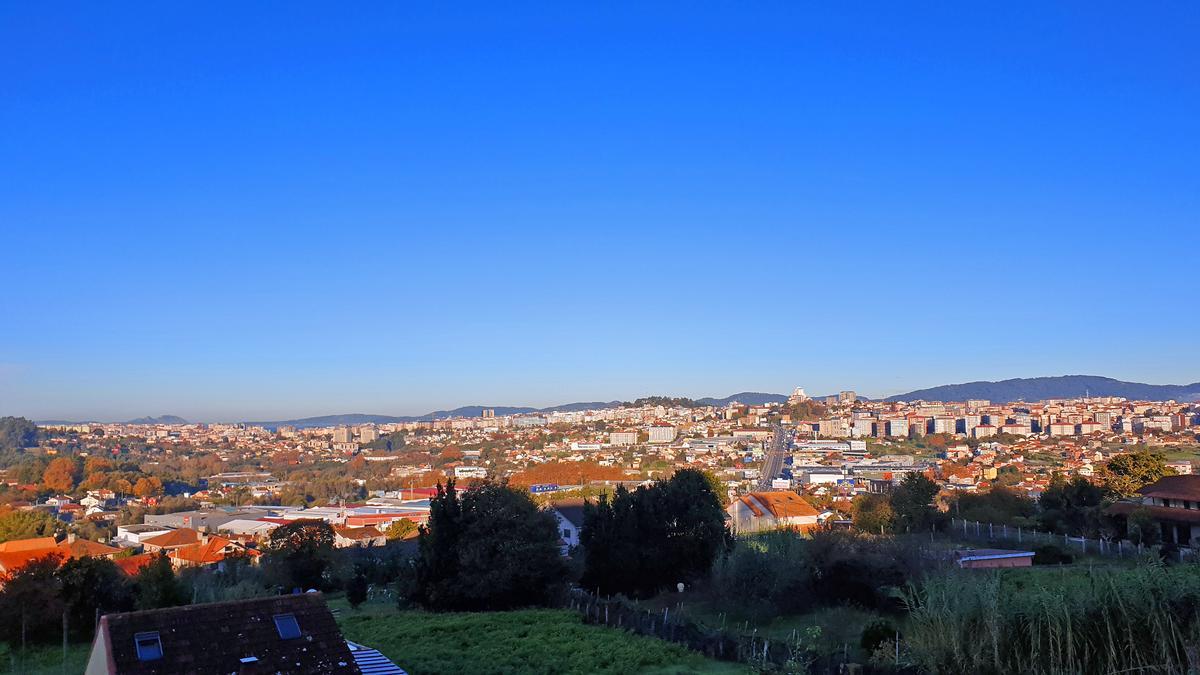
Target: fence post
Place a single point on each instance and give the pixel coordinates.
(991, 531)
(1018, 535)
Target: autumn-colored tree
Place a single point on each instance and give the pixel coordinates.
(60, 475)
(356, 465)
(567, 473)
(96, 464)
(147, 487)
(873, 513)
(123, 486)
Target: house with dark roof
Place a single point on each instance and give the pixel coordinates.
(282, 634)
(1173, 501)
(569, 514)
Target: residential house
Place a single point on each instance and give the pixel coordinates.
(759, 511)
(210, 551)
(569, 514)
(345, 537)
(20, 552)
(282, 634)
(1174, 502)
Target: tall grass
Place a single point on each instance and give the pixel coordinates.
(1065, 620)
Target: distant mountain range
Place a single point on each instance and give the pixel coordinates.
(1041, 388)
(161, 419)
(747, 397)
(1004, 391)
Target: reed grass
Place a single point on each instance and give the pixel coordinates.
(1064, 620)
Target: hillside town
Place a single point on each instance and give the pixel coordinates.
(199, 492)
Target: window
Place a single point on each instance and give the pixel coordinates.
(287, 626)
(149, 647)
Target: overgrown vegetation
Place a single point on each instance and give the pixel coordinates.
(785, 572)
(1069, 620)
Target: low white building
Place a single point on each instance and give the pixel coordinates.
(758, 511)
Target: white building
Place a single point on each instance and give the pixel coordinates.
(623, 438)
(662, 433)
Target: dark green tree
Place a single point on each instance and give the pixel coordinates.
(492, 549)
(1000, 505)
(16, 433)
(89, 585)
(299, 553)
(1072, 507)
(912, 504)
(30, 604)
(157, 586)
(356, 589)
(640, 542)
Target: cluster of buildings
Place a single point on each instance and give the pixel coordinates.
(835, 448)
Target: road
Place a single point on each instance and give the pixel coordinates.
(781, 441)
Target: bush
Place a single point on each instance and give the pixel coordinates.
(786, 572)
(1051, 554)
(875, 634)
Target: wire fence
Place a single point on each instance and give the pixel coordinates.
(1027, 539)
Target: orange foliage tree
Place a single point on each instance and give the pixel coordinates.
(567, 473)
(60, 475)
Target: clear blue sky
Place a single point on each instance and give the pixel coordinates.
(294, 209)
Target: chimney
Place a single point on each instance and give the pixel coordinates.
(203, 537)
(70, 537)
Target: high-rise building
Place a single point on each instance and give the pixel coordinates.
(847, 397)
(662, 433)
(343, 435)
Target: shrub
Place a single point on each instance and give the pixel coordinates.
(875, 634)
(786, 572)
(1051, 554)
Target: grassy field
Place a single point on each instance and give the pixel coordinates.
(44, 660)
(837, 629)
(528, 641)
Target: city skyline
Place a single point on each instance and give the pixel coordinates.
(267, 214)
(468, 409)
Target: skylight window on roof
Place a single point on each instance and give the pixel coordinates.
(149, 646)
(287, 626)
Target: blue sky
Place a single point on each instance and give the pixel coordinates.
(294, 209)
